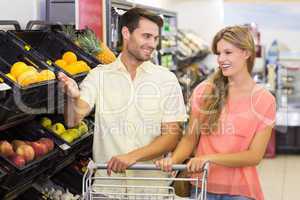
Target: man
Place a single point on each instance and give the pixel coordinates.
(138, 105)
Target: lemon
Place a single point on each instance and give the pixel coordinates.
(31, 68)
(11, 77)
(27, 78)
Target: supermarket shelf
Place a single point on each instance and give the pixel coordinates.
(168, 50)
(21, 118)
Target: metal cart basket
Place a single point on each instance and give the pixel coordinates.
(137, 191)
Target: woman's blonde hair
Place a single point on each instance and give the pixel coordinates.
(216, 97)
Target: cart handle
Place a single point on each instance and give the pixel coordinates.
(180, 167)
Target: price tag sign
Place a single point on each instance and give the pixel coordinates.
(64, 146)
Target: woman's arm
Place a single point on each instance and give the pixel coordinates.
(250, 157)
(184, 148)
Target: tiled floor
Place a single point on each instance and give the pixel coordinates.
(280, 177)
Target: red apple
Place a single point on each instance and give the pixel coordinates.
(18, 160)
(39, 148)
(17, 143)
(48, 142)
(26, 151)
(6, 149)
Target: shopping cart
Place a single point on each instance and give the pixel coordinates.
(136, 191)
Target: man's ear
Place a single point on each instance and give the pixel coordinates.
(125, 33)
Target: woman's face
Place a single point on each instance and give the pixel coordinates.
(231, 59)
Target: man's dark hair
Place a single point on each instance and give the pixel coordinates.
(131, 18)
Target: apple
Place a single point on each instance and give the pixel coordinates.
(18, 160)
(67, 137)
(46, 122)
(6, 148)
(26, 151)
(82, 128)
(73, 132)
(58, 128)
(48, 142)
(40, 149)
(17, 143)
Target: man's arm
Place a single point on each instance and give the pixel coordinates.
(166, 142)
(75, 109)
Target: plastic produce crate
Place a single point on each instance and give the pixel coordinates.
(18, 175)
(28, 99)
(62, 143)
(51, 45)
(2, 175)
(25, 135)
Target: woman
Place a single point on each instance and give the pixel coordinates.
(230, 122)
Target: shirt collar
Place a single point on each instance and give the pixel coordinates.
(147, 66)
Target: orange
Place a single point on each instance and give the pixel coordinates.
(27, 78)
(61, 63)
(71, 68)
(69, 57)
(77, 67)
(17, 69)
(46, 75)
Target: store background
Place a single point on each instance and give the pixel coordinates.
(271, 16)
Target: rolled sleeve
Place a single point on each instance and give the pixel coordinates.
(267, 117)
(198, 99)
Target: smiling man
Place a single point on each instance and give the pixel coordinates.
(138, 105)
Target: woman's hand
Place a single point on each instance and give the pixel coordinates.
(164, 164)
(196, 164)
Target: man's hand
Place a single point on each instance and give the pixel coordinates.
(120, 163)
(68, 85)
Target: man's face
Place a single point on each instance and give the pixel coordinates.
(143, 40)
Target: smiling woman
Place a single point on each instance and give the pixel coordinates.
(230, 122)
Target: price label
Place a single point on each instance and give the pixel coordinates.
(64, 146)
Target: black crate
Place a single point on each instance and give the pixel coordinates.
(19, 133)
(51, 45)
(78, 143)
(29, 99)
(2, 174)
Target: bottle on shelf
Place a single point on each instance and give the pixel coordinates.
(272, 63)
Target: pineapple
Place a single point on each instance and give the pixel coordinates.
(69, 32)
(90, 44)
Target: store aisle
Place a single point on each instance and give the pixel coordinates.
(280, 177)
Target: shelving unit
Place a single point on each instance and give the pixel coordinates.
(15, 123)
(167, 47)
(288, 112)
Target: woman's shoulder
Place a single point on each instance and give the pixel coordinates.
(203, 86)
(261, 94)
